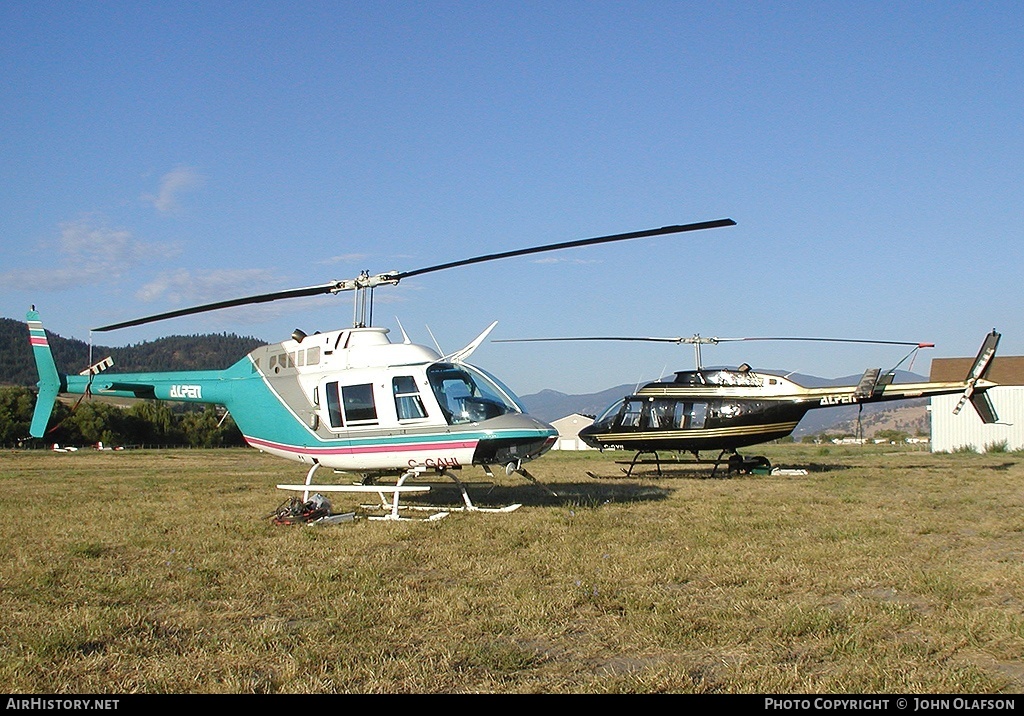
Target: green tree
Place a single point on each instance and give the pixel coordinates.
(16, 405)
(207, 429)
(892, 436)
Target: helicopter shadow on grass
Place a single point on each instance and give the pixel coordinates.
(705, 470)
(543, 495)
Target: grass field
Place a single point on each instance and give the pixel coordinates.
(880, 570)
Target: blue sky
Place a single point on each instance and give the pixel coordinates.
(165, 154)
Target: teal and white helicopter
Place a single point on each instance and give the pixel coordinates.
(348, 400)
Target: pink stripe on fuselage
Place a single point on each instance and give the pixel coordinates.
(364, 449)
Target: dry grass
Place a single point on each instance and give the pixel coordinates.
(879, 571)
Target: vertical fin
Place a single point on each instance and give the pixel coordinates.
(50, 380)
(986, 411)
(983, 405)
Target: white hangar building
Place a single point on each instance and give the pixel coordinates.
(568, 432)
(965, 430)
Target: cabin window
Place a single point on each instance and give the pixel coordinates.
(408, 404)
(333, 405)
(467, 394)
(679, 414)
(300, 358)
(697, 413)
(358, 402)
(656, 414)
(313, 355)
(660, 415)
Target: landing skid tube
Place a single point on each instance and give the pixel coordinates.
(441, 512)
(392, 512)
(389, 495)
(736, 463)
(382, 491)
(657, 461)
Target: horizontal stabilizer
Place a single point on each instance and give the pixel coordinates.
(867, 384)
(96, 368)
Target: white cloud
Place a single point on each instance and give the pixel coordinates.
(86, 252)
(553, 260)
(343, 259)
(186, 287)
(172, 185)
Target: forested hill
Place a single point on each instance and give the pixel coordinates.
(197, 352)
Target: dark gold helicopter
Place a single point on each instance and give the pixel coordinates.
(721, 409)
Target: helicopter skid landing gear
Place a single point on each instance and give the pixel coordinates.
(381, 490)
(394, 509)
(657, 461)
(469, 506)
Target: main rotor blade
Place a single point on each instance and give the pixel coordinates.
(573, 244)
(392, 278)
(712, 340)
(262, 298)
(837, 340)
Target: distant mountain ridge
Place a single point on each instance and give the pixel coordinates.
(196, 352)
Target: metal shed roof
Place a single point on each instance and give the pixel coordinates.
(1005, 370)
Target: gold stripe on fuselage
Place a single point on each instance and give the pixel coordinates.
(698, 433)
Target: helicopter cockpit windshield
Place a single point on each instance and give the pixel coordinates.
(469, 395)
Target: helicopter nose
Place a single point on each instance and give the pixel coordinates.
(589, 436)
(513, 439)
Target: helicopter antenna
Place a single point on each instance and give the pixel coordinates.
(639, 382)
(405, 336)
(436, 344)
(363, 308)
